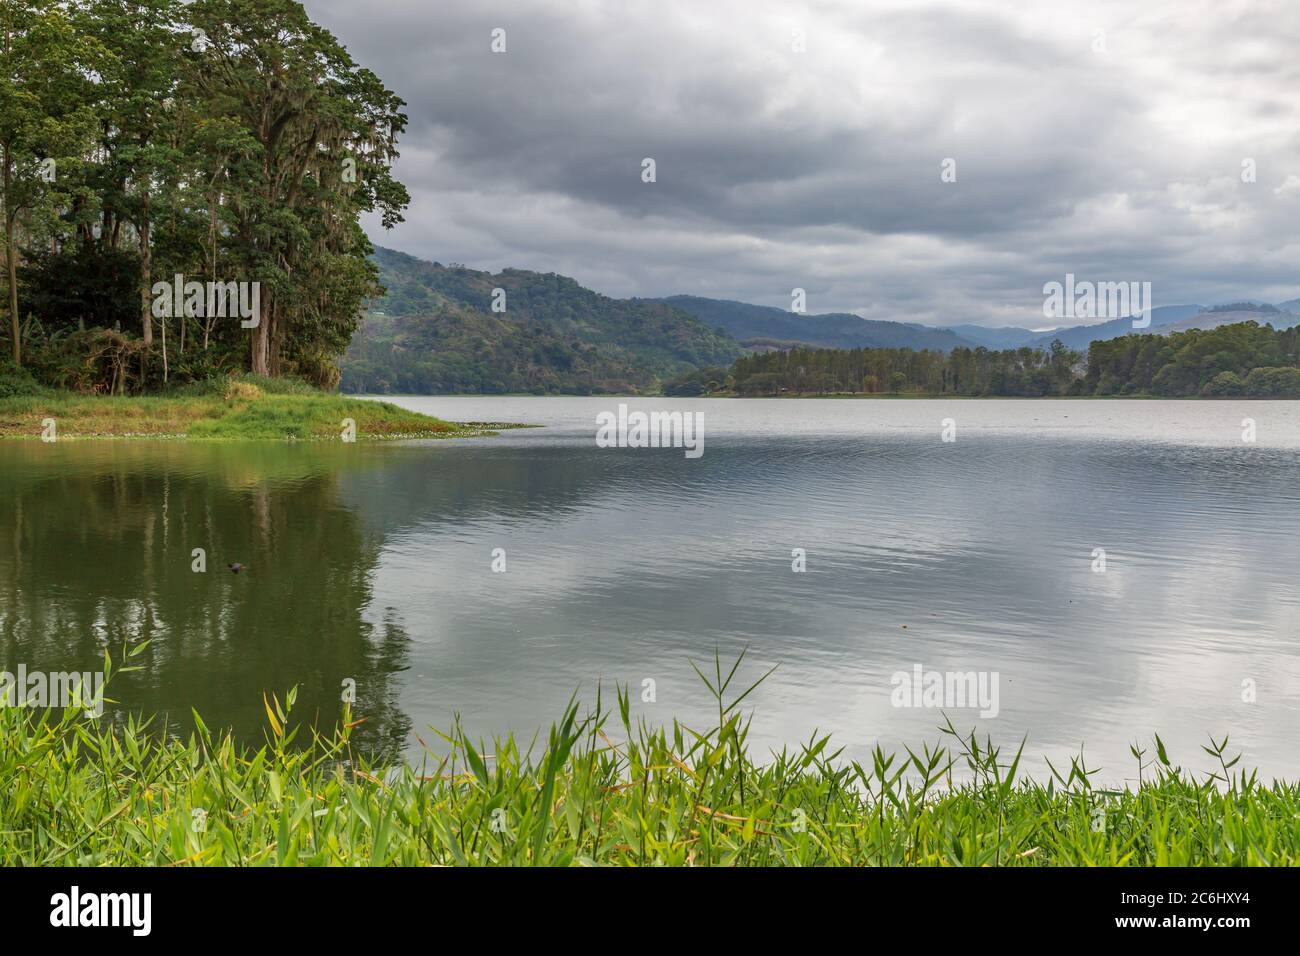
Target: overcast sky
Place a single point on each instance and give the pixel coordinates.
(1106, 139)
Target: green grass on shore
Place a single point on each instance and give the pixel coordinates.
(239, 409)
(604, 789)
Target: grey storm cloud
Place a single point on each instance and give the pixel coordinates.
(1105, 139)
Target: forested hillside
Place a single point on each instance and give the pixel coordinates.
(446, 328)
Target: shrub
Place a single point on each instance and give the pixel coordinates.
(1225, 383)
(1273, 382)
(238, 385)
(16, 381)
(282, 386)
(238, 388)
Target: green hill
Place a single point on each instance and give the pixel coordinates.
(435, 332)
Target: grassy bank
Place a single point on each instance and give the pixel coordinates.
(603, 789)
(238, 409)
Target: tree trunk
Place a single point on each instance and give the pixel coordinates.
(146, 275)
(11, 258)
(276, 336)
(261, 342)
(213, 199)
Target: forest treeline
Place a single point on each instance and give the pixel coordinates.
(1244, 359)
(181, 185)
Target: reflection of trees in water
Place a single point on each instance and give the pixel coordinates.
(453, 485)
(101, 553)
(97, 541)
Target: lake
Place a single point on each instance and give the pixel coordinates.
(980, 555)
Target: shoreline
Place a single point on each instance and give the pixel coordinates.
(245, 413)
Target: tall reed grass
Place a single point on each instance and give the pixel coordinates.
(605, 789)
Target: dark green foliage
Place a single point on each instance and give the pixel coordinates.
(703, 381)
(1273, 382)
(1224, 385)
(16, 381)
(1021, 372)
(1240, 360)
(1220, 361)
(226, 141)
(86, 286)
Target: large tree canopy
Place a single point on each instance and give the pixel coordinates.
(221, 141)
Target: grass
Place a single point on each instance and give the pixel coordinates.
(603, 789)
(238, 409)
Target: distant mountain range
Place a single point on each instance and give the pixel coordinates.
(437, 331)
(1230, 315)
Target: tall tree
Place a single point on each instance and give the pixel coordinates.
(325, 131)
(48, 71)
(136, 112)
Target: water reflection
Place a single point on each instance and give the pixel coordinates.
(103, 538)
(622, 565)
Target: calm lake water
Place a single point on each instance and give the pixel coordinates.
(373, 563)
